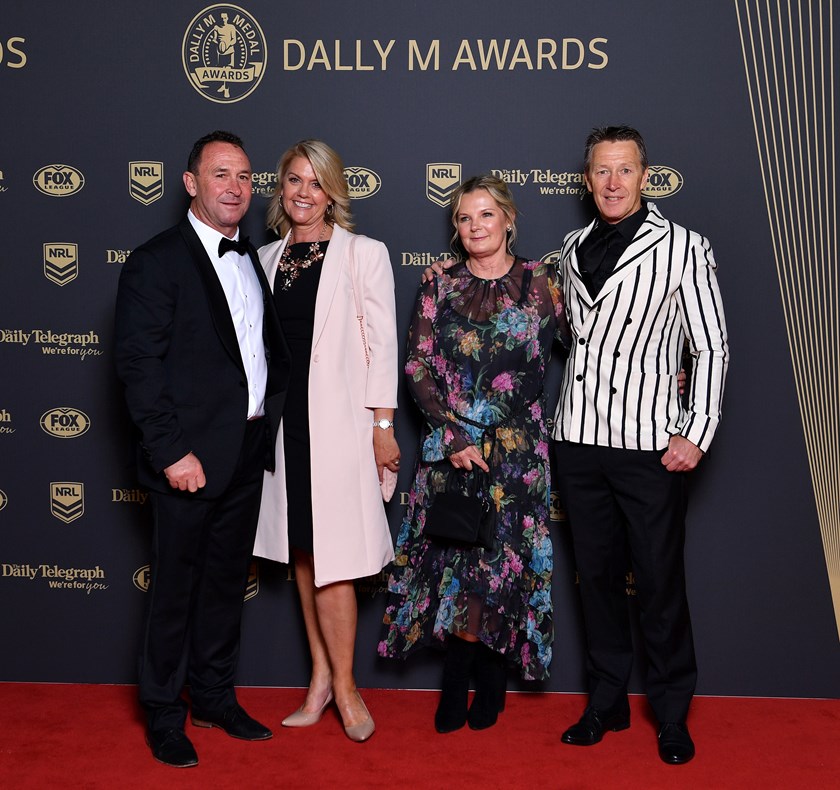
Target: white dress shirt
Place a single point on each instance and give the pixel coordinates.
(245, 301)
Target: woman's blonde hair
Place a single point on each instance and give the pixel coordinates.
(499, 191)
(329, 170)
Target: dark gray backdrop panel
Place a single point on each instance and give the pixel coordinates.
(104, 85)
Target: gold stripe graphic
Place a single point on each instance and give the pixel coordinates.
(788, 51)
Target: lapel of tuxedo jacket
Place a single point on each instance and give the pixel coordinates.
(575, 278)
(651, 233)
(216, 300)
(330, 277)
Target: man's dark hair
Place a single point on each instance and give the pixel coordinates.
(613, 134)
(214, 137)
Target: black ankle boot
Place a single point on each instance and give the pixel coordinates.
(451, 713)
(490, 689)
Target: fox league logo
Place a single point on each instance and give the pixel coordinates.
(224, 53)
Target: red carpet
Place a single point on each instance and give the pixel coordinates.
(92, 737)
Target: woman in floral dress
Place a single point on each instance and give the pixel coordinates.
(479, 344)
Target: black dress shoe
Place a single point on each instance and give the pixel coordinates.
(235, 722)
(594, 723)
(172, 747)
(675, 744)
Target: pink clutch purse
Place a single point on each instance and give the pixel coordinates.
(388, 484)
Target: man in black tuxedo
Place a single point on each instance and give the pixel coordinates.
(201, 354)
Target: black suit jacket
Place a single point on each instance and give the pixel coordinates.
(179, 360)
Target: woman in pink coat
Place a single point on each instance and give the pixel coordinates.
(322, 508)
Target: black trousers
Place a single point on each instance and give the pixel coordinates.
(201, 552)
(615, 499)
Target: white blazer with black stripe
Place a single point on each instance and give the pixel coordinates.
(620, 384)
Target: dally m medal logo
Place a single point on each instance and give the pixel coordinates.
(67, 501)
(662, 182)
(442, 179)
(145, 181)
(224, 53)
(61, 262)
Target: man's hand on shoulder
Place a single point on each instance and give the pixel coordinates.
(681, 455)
(438, 267)
(186, 474)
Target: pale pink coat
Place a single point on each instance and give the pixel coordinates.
(350, 530)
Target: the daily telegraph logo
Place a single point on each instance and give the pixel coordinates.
(145, 181)
(362, 182)
(423, 258)
(263, 183)
(65, 422)
(442, 179)
(58, 180)
(116, 256)
(6, 421)
(85, 580)
(61, 262)
(545, 180)
(134, 496)
(224, 53)
(81, 345)
(67, 501)
(662, 182)
(142, 579)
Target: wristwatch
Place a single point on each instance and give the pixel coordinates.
(383, 424)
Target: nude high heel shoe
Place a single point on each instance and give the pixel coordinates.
(361, 732)
(301, 719)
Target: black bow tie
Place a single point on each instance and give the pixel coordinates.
(226, 245)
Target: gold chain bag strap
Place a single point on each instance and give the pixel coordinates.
(360, 315)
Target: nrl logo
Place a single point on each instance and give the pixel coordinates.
(252, 589)
(224, 53)
(67, 501)
(442, 179)
(61, 262)
(145, 181)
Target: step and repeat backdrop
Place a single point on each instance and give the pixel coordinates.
(101, 104)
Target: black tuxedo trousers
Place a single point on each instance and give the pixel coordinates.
(201, 553)
(617, 499)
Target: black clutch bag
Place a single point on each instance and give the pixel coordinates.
(463, 514)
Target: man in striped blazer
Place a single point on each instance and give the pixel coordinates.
(636, 286)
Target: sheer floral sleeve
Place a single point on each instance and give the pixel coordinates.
(428, 372)
(562, 333)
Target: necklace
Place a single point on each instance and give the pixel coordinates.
(289, 268)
